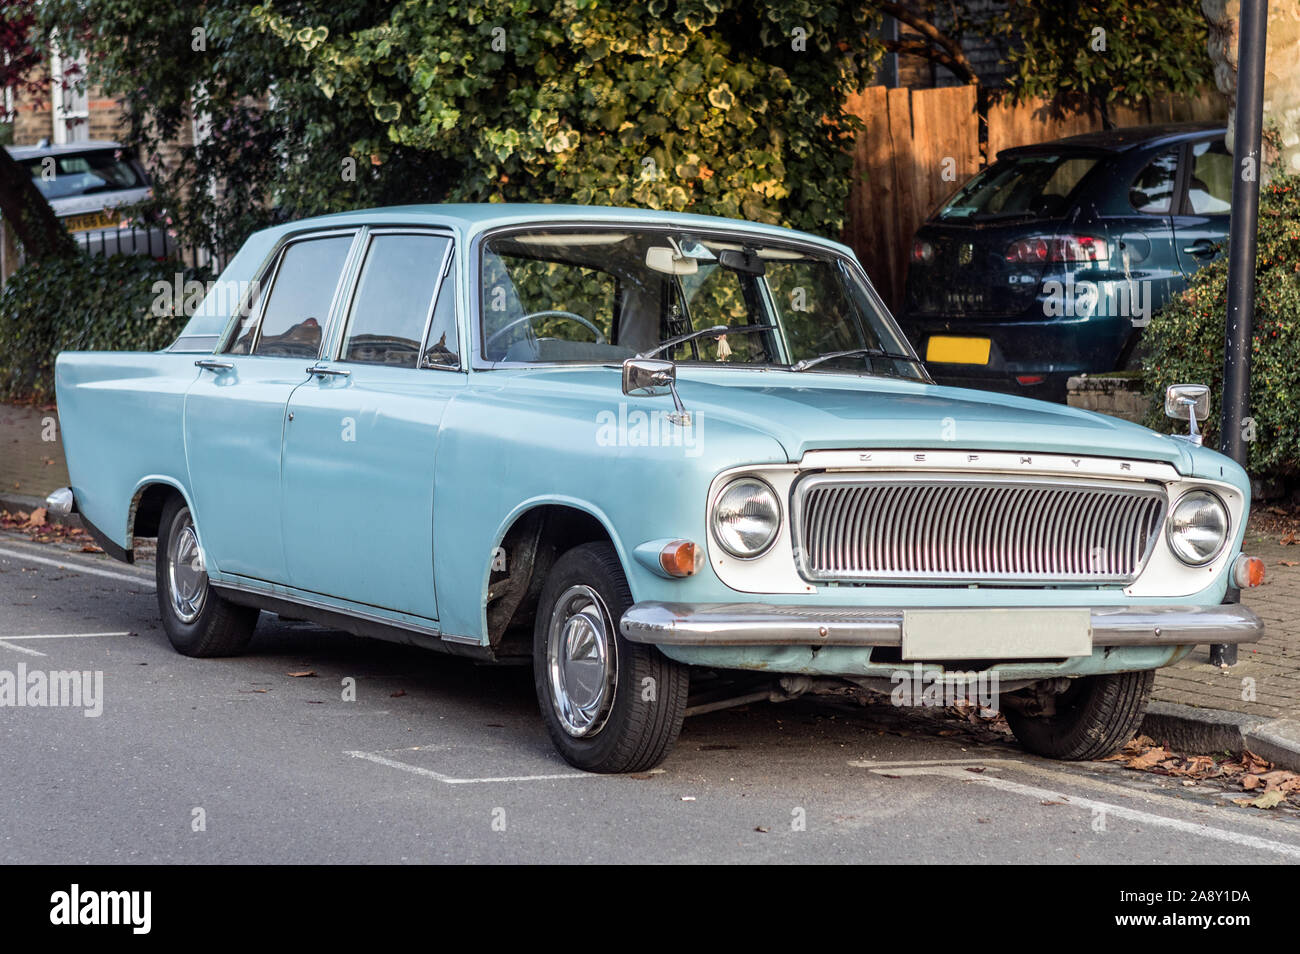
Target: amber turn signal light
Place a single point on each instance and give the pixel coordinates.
(1249, 571)
(680, 558)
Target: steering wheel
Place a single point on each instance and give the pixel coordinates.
(552, 313)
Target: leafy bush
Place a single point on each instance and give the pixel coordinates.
(715, 106)
(1184, 342)
(78, 304)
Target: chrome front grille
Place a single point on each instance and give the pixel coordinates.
(941, 528)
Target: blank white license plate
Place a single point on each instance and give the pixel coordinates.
(996, 633)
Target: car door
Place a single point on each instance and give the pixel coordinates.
(361, 435)
(1201, 226)
(1145, 261)
(235, 410)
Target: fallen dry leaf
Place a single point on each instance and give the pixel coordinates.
(1270, 799)
(37, 518)
(305, 674)
(1148, 759)
(397, 694)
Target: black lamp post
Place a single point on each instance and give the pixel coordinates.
(1252, 30)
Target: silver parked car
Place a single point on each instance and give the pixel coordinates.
(89, 184)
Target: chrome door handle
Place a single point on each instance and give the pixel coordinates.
(211, 364)
(322, 371)
(1199, 247)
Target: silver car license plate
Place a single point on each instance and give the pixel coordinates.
(996, 633)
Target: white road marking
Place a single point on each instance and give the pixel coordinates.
(19, 649)
(1118, 811)
(448, 780)
(67, 635)
(76, 566)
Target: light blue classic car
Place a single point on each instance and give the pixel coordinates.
(629, 444)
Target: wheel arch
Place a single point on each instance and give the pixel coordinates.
(147, 502)
(525, 547)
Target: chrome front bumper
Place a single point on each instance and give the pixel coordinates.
(767, 624)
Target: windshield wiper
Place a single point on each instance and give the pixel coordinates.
(704, 333)
(807, 363)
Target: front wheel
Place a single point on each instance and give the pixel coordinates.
(197, 620)
(1094, 717)
(610, 705)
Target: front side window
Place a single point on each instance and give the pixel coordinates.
(394, 299)
(569, 295)
(298, 304)
(1209, 191)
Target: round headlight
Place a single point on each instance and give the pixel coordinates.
(1198, 527)
(746, 517)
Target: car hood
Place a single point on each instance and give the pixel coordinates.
(813, 411)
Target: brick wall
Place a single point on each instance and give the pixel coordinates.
(34, 117)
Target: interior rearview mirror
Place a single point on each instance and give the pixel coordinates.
(742, 260)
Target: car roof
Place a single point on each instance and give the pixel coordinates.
(85, 145)
(1122, 140)
(472, 218)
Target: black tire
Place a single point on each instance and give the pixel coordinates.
(643, 699)
(1094, 718)
(218, 627)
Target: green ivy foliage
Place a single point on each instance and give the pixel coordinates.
(81, 303)
(720, 106)
(273, 146)
(1184, 342)
(1104, 51)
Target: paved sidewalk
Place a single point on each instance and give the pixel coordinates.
(1266, 680)
(29, 464)
(1265, 683)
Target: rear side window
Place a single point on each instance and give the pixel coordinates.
(1209, 191)
(1152, 191)
(394, 300)
(299, 301)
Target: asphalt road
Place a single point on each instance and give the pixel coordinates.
(439, 760)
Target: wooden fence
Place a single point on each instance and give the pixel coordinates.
(917, 146)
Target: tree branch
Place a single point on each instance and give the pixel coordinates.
(949, 54)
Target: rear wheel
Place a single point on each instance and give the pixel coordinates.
(198, 621)
(1094, 717)
(610, 705)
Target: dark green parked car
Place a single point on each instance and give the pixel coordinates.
(1051, 261)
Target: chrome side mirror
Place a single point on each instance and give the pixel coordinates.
(1188, 402)
(650, 377)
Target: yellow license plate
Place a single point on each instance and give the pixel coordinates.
(92, 220)
(948, 350)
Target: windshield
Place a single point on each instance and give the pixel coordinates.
(60, 176)
(600, 296)
(1036, 186)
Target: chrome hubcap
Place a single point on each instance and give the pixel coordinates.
(581, 661)
(187, 578)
